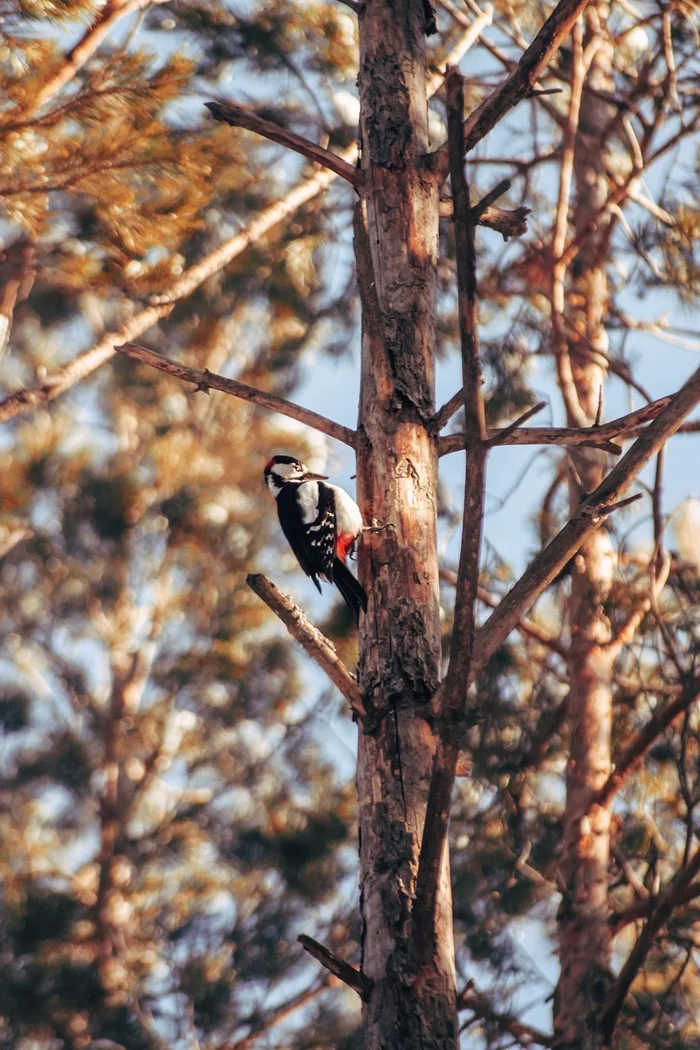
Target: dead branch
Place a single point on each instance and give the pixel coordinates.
(520, 82)
(592, 437)
(344, 971)
(310, 638)
(452, 690)
(243, 117)
(632, 754)
(205, 381)
(664, 907)
(590, 513)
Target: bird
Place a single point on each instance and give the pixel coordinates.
(321, 523)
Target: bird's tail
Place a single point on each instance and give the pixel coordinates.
(352, 591)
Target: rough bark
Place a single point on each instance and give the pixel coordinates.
(584, 930)
(397, 478)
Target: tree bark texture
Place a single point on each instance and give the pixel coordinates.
(397, 460)
(584, 930)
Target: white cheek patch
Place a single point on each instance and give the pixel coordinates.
(307, 498)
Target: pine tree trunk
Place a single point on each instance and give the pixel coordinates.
(397, 484)
(584, 931)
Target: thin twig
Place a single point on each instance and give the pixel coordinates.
(310, 638)
(593, 437)
(502, 437)
(205, 381)
(242, 117)
(344, 971)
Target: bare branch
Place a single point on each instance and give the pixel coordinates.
(666, 903)
(310, 638)
(242, 117)
(592, 437)
(521, 81)
(452, 690)
(344, 971)
(205, 380)
(587, 518)
(632, 754)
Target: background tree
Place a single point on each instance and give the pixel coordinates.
(172, 818)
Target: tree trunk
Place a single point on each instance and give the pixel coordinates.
(584, 931)
(397, 484)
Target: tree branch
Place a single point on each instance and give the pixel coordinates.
(205, 380)
(521, 82)
(665, 905)
(310, 638)
(463, 629)
(344, 971)
(591, 511)
(659, 721)
(593, 436)
(278, 1014)
(242, 117)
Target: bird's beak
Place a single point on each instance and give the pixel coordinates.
(308, 476)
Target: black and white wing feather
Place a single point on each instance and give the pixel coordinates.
(308, 520)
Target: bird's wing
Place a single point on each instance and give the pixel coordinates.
(309, 525)
(322, 532)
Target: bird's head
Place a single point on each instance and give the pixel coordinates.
(281, 470)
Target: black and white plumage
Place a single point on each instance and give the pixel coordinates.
(321, 523)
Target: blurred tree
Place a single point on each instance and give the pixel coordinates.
(172, 814)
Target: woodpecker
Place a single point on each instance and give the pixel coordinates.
(321, 523)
